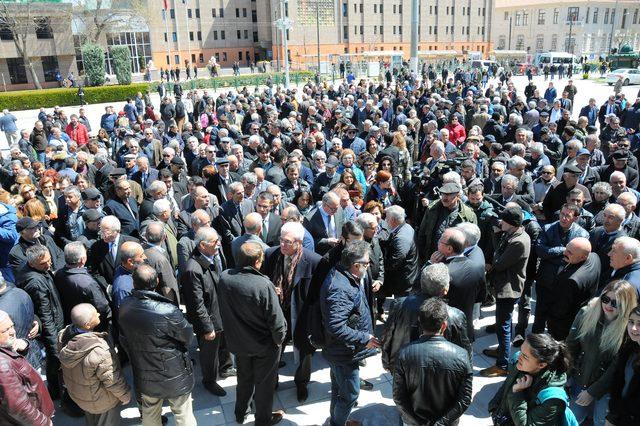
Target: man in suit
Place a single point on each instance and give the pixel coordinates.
(175, 189)
(124, 207)
(624, 259)
(162, 213)
(30, 235)
(271, 222)
(158, 259)
(198, 219)
(218, 185)
(104, 167)
(199, 284)
(507, 274)
(252, 227)
(202, 200)
(603, 237)
(325, 223)
(295, 271)
(104, 254)
(401, 257)
(467, 277)
(145, 175)
(590, 111)
(574, 285)
(230, 221)
(609, 107)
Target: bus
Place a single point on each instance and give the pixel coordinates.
(555, 58)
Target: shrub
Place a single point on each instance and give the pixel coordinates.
(93, 58)
(122, 63)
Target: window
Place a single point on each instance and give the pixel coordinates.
(586, 18)
(244, 12)
(246, 34)
(49, 67)
(176, 59)
(375, 8)
(174, 36)
(399, 8)
(381, 30)
(199, 35)
(189, 14)
(375, 29)
(361, 8)
(635, 17)
(541, 16)
(17, 72)
(520, 42)
(613, 16)
(400, 30)
(539, 42)
(556, 15)
(5, 31)
(168, 60)
(525, 18)
(191, 36)
(344, 10)
(215, 35)
(165, 38)
(255, 36)
(221, 13)
(606, 16)
(193, 57)
(254, 16)
(239, 56)
(238, 34)
(518, 19)
(224, 56)
(355, 8)
(200, 58)
(506, 16)
(361, 29)
(198, 13)
(213, 13)
(394, 30)
(172, 13)
(381, 8)
(394, 8)
(502, 42)
(595, 15)
(237, 12)
(43, 28)
(572, 14)
(222, 35)
(345, 32)
(554, 42)
(624, 18)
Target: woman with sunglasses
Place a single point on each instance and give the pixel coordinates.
(624, 405)
(594, 341)
(541, 363)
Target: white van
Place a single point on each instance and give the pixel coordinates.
(556, 58)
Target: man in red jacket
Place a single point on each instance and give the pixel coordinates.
(77, 131)
(24, 398)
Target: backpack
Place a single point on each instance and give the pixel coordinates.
(316, 327)
(553, 392)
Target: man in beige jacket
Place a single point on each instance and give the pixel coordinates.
(91, 369)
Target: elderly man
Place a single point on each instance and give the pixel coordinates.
(157, 190)
(74, 282)
(256, 327)
(401, 260)
(252, 227)
(631, 222)
(271, 222)
(573, 285)
(131, 256)
(296, 272)
(124, 207)
(402, 328)
(91, 369)
(104, 255)
(36, 279)
(602, 238)
(158, 258)
(162, 213)
(69, 225)
(199, 282)
(25, 397)
(198, 219)
(624, 258)
(325, 223)
(442, 214)
(145, 175)
(31, 234)
(508, 275)
(232, 212)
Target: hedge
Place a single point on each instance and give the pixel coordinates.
(47, 98)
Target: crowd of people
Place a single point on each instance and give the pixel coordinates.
(248, 221)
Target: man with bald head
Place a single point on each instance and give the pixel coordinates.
(574, 284)
(624, 259)
(91, 369)
(253, 227)
(466, 278)
(602, 238)
(198, 219)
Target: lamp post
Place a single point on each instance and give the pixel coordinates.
(572, 18)
(510, 28)
(318, 39)
(615, 9)
(415, 22)
(284, 24)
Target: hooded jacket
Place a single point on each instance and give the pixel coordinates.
(91, 370)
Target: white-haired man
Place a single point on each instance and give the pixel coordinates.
(624, 258)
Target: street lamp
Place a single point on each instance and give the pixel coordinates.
(318, 39)
(284, 24)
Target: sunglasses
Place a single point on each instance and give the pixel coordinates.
(609, 301)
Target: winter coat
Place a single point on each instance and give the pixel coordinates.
(91, 370)
(510, 264)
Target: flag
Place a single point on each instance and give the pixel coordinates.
(166, 4)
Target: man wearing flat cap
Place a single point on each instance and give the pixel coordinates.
(619, 162)
(219, 183)
(557, 195)
(507, 274)
(444, 213)
(30, 235)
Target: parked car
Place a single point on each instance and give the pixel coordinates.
(629, 76)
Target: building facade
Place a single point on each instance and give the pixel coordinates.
(581, 27)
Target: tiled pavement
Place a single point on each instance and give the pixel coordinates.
(375, 407)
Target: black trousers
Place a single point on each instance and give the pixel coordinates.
(209, 359)
(257, 376)
(303, 369)
(53, 373)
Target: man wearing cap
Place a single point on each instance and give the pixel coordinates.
(557, 195)
(218, 185)
(69, 225)
(91, 219)
(325, 180)
(619, 163)
(352, 141)
(507, 275)
(444, 213)
(31, 234)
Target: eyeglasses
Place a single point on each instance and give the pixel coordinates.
(609, 301)
(366, 264)
(166, 155)
(287, 242)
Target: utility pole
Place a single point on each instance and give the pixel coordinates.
(318, 39)
(415, 22)
(284, 24)
(570, 47)
(186, 20)
(510, 28)
(615, 10)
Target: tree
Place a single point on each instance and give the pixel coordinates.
(103, 16)
(122, 63)
(93, 58)
(22, 20)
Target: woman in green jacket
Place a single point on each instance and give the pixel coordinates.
(541, 363)
(594, 341)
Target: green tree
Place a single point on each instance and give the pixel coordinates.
(122, 63)
(93, 58)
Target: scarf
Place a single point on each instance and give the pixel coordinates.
(284, 279)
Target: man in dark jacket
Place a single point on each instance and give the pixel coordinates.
(156, 338)
(401, 260)
(348, 328)
(603, 237)
(402, 324)
(125, 208)
(255, 328)
(624, 259)
(199, 282)
(25, 400)
(433, 377)
(74, 282)
(36, 278)
(573, 286)
(30, 235)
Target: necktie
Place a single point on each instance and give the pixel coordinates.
(265, 231)
(113, 250)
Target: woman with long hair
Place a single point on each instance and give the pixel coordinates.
(542, 363)
(49, 197)
(594, 341)
(354, 188)
(104, 141)
(624, 405)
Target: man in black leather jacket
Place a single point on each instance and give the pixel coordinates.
(156, 338)
(402, 324)
(443, 396)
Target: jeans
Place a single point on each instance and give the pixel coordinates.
(598, 409)
(345, 388)
(504, 315)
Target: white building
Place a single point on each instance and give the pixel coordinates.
(582, 27)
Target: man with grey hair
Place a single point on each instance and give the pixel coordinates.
(162, 212)
(624, 259)
(158, 259)
(78, 286)
(198, 219)
(252, 227)
(401, 260)
(36, 279)
(516, 166)
(402, 325)
(232, 212)
(104, 254)
(325, 223)
(69, 225)
(131, 256)
(199, 281)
